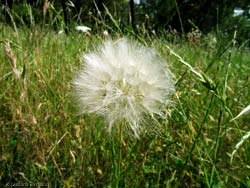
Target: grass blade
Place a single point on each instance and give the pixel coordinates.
(244, 111)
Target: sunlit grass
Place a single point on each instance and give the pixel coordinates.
(44, 140)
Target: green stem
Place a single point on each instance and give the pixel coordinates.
(197, 136)
(117, 149)
(179, 16)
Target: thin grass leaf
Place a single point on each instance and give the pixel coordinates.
(112, 18)
(203, 78)
(246, 136)
(244, 111)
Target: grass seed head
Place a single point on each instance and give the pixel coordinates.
(123, 81)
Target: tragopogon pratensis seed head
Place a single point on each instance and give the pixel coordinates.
(123, 81)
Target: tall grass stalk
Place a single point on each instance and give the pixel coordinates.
(112, 19)
(117, 148)
(179, 16)
(224, 95)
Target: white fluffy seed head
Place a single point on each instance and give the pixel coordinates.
(124, 81)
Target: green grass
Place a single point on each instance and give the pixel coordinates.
(43, 140)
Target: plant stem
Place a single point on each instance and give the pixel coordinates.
(197, 136)
(117, 149)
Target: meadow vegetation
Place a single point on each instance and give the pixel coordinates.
(44, 140)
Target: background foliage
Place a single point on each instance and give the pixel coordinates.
(156, 15)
